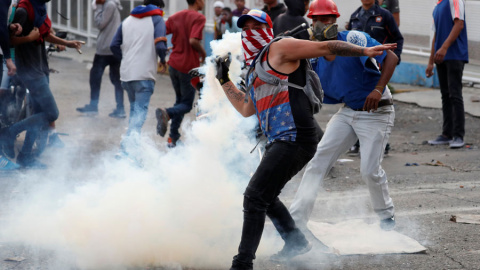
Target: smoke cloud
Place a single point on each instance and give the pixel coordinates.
(182, 208)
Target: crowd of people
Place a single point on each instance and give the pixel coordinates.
(353, 66)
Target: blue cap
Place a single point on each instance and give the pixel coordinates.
(257, 15)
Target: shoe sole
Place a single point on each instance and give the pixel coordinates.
(457, 146)
(438, 143)
(117, 116)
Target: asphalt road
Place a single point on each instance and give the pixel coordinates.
(425, 196)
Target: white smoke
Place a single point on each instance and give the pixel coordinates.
(184, 207)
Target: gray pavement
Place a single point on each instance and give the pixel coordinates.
(425, 196)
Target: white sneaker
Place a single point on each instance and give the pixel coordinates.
(457, 142)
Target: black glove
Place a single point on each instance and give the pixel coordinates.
(222, 65)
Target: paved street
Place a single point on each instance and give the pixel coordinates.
(425, 196)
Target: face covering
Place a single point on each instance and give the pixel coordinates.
(253, 42)
(323, 31)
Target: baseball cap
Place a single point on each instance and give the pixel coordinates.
(218, 4)
(257, 15)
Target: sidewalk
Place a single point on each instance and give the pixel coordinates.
(421, 95)
(431, 98)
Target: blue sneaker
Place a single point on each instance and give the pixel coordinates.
(440, 140)
(7, 165)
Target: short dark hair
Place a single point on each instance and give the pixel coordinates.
(227, 9)
(191, 2)
(158, 3)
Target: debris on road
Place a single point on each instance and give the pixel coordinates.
(467, 219)
(439, 163)
(15, 259)
(411, 164)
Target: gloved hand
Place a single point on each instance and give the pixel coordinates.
(223, 65)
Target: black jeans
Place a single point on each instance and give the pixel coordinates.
(185, 95)
(100, 62)
(450, 74)
(281, 162)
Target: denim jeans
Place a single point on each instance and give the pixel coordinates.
(139, 93)
(96, 74)
(281, 161)
(185, 94)
(44, 108)
(450, 74)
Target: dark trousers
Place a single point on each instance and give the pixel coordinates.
(185, 95)
(100, 62)
(450, 74)
(281, 162)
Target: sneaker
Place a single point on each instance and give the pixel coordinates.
(7, 165)
(388, 224)
(54, 141)
(162, 121)
(171, 143)
(118, 113)
(354, 151)
(89, 108)
(29, 161)
(387, 150)
(440, 140)
(290, 251)
(457, 142)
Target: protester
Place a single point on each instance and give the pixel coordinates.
(241, 9)
(217, 19)
(230, 21)
(186, 27)
(5, 30)
(285, 114)
(273, 8)
(450, 53)
(367, 115)
(106, 19)
(292, 18)
(137, 42)
(5, 163)
(31, 61)
(393, 7)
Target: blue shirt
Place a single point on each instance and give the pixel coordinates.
(443, 17)
(349, 80)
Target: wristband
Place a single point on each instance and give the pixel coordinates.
(378, 91)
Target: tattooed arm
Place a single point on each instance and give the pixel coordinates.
(237, 97)
(285, 55)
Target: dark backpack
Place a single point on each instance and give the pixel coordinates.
(313, 88)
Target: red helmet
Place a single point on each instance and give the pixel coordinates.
(323, 7)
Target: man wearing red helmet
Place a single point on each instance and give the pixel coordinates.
(286, 118)
(368, 114)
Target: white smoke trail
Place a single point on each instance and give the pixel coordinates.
(184, 207)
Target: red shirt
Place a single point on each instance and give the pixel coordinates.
(184, 25)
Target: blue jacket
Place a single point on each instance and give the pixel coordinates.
(380, 25)
(349, 80)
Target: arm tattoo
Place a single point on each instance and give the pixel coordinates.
(233, 93)
(342, 48)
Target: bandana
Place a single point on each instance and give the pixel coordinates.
(253, 42)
